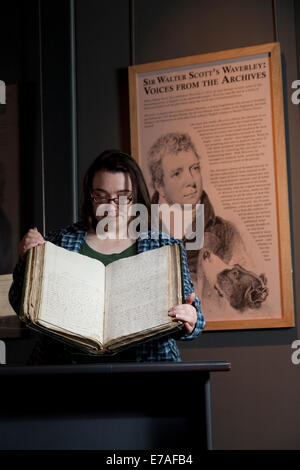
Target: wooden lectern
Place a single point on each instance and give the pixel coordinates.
(116, 406)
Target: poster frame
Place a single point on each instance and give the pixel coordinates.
(279, 159)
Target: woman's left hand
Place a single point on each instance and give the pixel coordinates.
(186, 313)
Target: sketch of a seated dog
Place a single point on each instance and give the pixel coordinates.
(243, 289)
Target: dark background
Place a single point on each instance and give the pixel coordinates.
(257, 404)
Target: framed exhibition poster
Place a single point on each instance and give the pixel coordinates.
(209, 129)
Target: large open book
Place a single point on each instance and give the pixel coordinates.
(98, 308)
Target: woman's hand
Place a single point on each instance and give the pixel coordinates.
(30, 239)
(186, 313)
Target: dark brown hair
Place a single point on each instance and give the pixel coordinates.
(113, 161)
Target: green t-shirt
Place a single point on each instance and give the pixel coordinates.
(104, 258)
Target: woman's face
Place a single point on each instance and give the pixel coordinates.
(108, 185)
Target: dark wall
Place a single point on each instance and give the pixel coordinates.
(256, 405)
(19, 65)
(11, 42)
(165, 30)
(35, 54)
(56, 111)
(103, 55)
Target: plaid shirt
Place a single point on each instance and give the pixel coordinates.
(72, 237)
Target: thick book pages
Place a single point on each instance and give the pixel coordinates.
(98, 308)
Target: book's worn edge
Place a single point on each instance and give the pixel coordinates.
(28, 264)
(42, 255)
(105, 303)
(181, 298)
(169, 329)
(32, 291)
(75, 343)
(175, 275)
(108, 351)
(170, 287)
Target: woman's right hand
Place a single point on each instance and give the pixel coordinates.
(31, 238)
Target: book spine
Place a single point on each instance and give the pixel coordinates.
(23, 308)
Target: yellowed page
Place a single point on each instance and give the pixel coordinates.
(72, 293)
(37, 266)
(137, 293)
(175, 282)
(26, 288)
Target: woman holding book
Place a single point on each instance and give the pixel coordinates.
(115, 180)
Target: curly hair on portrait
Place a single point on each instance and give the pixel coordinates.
(172, 142)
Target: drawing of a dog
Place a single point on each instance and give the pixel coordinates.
(243, 289)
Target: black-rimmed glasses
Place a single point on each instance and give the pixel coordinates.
(122, 199)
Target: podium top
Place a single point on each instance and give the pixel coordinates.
(116, 368)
